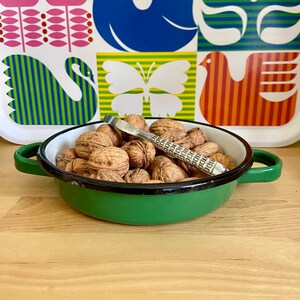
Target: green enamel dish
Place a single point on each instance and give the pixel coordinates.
(148, 204)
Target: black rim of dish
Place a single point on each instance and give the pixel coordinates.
(147, 189)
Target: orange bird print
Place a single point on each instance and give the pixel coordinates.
(266, 96)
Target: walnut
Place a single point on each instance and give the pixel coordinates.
(108, 154)
(179, 137)
(141, 153)
(208, 149)
(197, 136)
(138, 121)
(107, 175)
(158, 161)
(87, 142)
(137, 176)
(188, 169)
(224, 159)
(199, 174)
(109, 158)
(64, 157)
(161, 126)
(168, 172)
(191, 170)
(114, 133)
(78, 166)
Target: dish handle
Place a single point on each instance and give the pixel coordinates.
(270, 172)
(25, 161)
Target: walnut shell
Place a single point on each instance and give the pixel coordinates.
(200, 174)
(114, 133)
(158, 161)
(107, 175)
(205, 149)
(138, 121)
(109, 158)
(137, 176)
(179, 137)
(208, 149)
(168, 172)
(87, 142)
(224, 159)
(191, 170)
(188, 169)
(141, 153)
(78, 166)
(197, 136)
(64, 157)
(161, 126)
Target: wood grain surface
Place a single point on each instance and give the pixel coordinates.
(247, 249)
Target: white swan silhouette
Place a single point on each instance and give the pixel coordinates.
(223, 36)
(276, 35)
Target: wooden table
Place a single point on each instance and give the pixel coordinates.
(247, 249)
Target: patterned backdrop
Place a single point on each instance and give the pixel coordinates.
(228, 63)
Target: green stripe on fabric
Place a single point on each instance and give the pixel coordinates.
(38, 91)
(19, 87)
(32, 91)
(44, 97)
(57, 100)
(68, 100)
(15, 117)
(62, 106)
(50, 96)
(27, 96)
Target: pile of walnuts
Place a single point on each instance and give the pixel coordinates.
(109, 154)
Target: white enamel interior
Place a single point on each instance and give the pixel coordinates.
(228, 142)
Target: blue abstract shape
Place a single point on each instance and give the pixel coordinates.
(166, 25)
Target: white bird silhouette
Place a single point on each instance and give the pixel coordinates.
(278, 35)
(223, 36)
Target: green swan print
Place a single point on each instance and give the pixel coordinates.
(39, 99)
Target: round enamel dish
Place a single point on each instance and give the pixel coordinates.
(148, 204)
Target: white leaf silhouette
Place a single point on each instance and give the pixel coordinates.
(216, 36)
(278, 35)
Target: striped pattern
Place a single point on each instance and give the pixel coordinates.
(39, 99)
(251, 40)
(146, 59)
(226, 102)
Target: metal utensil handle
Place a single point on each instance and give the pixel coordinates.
(199, 161)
